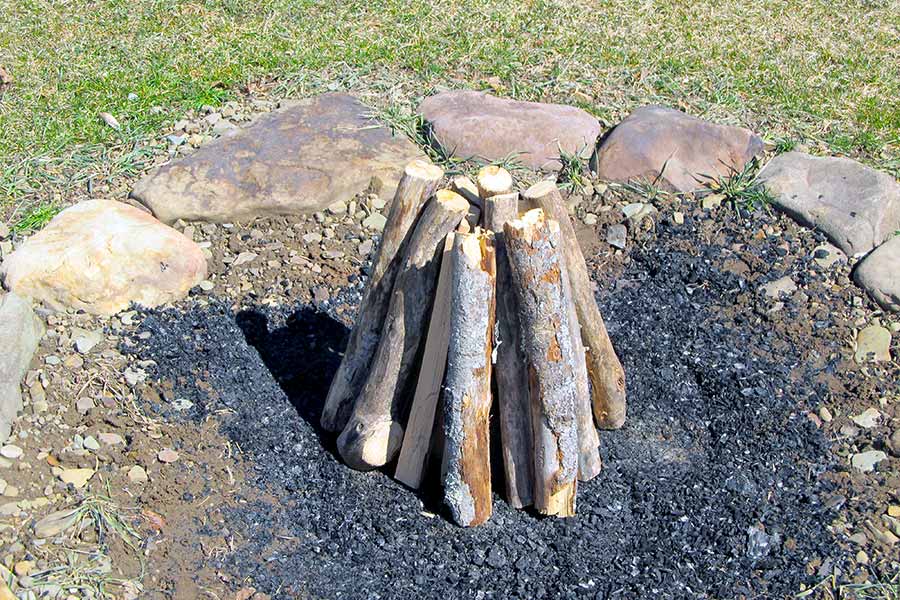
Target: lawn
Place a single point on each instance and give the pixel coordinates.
(812, 72)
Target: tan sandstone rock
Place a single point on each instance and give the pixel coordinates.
(100, 256)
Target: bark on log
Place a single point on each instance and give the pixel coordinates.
(604, 369)
(466, 188)
(541, 281)
(493, 180)
(467, 388)
(417, 184)
(421, 422)
(511, 372)
(373, 434)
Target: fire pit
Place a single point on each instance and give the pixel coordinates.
(475, 289)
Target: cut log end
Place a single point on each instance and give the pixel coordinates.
(493, 180)
(423, 170)
(368, 446)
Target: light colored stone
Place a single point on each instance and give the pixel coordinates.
(244, 258)
(375, 221)
(296, 160)
(616, 236)
(873, 344)
(866, 461)
(76, 477)
(11, 451)
(20, 332)
(855, 206)
(91, 443)
(678, 218)
(85, 340)
(825, 414)
(879, 274)
(338, 208)
(827, 255)
(867, 419)
(167, 455)
(590, 219)
(110, 439)
(675, 150)
(100, 256)
(137, 474)
(783, 286)
(55, 523)
(470, 124)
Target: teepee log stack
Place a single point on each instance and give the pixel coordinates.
(475, 309)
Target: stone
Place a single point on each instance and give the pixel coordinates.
(85, 341)
(711, 201)
(167, 455)
(782, 286)
(99, 256)
(865, 461)
(675, 150)
(867, 419)
(55, 523)
(77, 477)
(296, 160)
(476, 125)
(337, 208)
(590, 219)
(827, 255)
(4, 231)
(137, 474)
(20, 332)
(616, 236)
(91, 443)
(110, 439)
(244, 258)
(312, 238)
(366, 247)
(375, 221)
(879, 274)
(873, 344)
(855, 206)
(678, 218)
(825, 414)
(11, 452)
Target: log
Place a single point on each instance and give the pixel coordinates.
(421, 422)
(541, 282)
(604, 369)
(466, 465)
(373, 434)
(511, 373)
(466, 188)
(417, 184)
(493, 180)
(589, 462)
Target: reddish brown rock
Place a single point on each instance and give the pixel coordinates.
(471, 124)
(100, 256)
(298, 159)
(677, 151)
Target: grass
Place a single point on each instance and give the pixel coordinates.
(821, 73)
(741, 188)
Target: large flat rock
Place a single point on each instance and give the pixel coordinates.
(676, 151)
(20, 332)
(879, 274)
(855, 206)
(296, 160)
(476, 125)
(100, 256)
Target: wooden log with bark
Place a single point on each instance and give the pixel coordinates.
(467, 387)
(511, 372)
(417, 184)
(604, 369)
(540, 279)
(373, 434)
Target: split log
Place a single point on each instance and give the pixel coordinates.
(417, 184)
(511, 373)
(420, 425)
(467, 388)
(373, 434)
(466, 188)
(492, 181)
(541, 282)
(604, 369)
(589, 462)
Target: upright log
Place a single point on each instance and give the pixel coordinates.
(492, 181)
(373, 434)
(466, 469)
(420, 425)
(589, 462)
(541, 281)
(417, 184)
(511, 374)
(604, 369)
